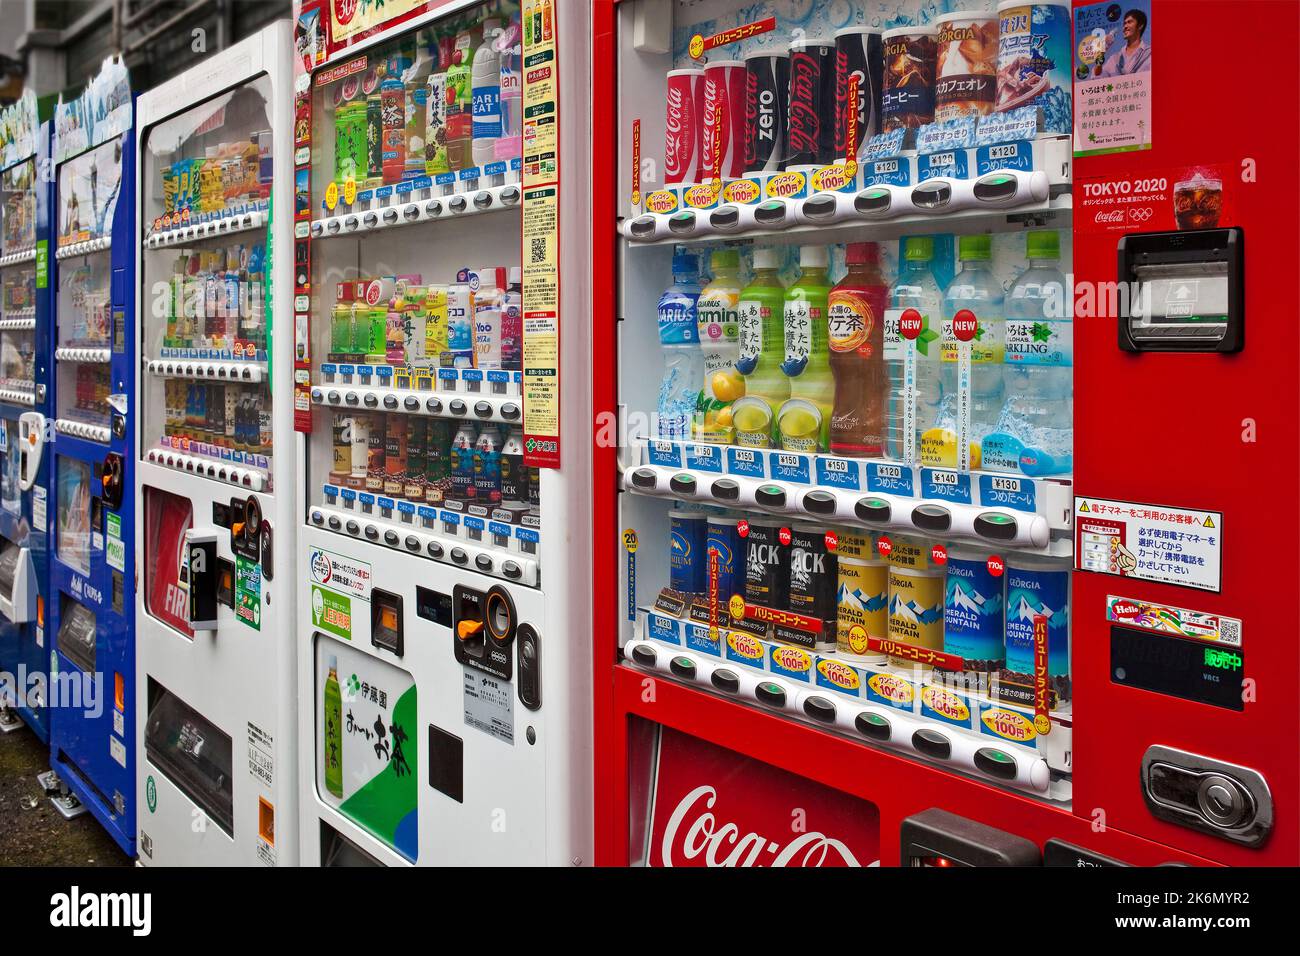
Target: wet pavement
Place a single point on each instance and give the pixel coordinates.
(32, 832)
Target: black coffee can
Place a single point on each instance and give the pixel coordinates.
(810, 125)
(767, 95)
(767, 565)
(859, 53)
(814, 578)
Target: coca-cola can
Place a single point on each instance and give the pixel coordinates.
(724, 112)
(767, 101)
(810, 128)
(858, 53)
(682, 125)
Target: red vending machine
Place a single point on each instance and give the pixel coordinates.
(934, 515)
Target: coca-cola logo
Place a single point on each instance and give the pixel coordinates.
(1109, 215)
(805, 126)
(694, 832)
(678, 138)
(712, 145)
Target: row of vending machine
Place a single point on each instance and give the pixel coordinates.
(692, 416)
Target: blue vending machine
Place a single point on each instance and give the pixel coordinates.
(25, 408)
(92, 586)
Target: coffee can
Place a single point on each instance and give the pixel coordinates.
(767, 104)
(907, 83)
(723, 546)
(966, 67)
(767, 564)
(687, 566)
(859, 54)
(861, 603)
(813, 580)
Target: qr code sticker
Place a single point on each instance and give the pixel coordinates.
(1230, 631)
(538, 253)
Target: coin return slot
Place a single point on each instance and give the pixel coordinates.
(386, 632)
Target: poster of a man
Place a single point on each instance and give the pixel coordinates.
(1133, 54)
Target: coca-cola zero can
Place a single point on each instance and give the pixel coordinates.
(858, 53)
(810, 129)
(767, 102)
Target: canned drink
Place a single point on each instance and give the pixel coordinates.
(722, 125)
(688, 535)
(724, 542)
(377, 455)
(395, 440)
(767, 565)
(767, 103)
(814, 575)
(1037, 588)
(437, 447)
(534, 489)
(858, 53)
(360, 449)
(810, 130)
(417, 436)
(973, 613)
(1034, 60)
(682, 120)
(342, 435)
(907, 84)
(966, 76)
(861, 603)
(916, 607)
(487, 466)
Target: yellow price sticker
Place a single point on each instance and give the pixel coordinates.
(331, 195)
(350, 191)
(630, 541)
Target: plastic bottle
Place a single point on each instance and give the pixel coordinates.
(392, 97)
(333, 726)
(514, 475)
(460, 101)
(973, 288)
(1035, 433)
(512, 91)
(487, 466)
(855, 326)
(462, 462)
(416, 82)
(486, 78)
(512, 321)
(917, 289)
(805, 418)
(719, 328)
(487, 318)
(761, 318)
(680, 391)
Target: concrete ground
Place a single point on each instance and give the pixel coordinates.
(32, 832)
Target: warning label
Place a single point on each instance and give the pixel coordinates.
(1149, 542)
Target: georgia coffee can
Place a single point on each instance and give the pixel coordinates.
(810, 127)
(687, 563)
(724, 541)
(966, 70)
(767, 564)
(814, 576)
(722, 126)
(767, 97)
(907, 85)
(682, 125)
(858, 53)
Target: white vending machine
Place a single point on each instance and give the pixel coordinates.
(214, 523)
(444, 629)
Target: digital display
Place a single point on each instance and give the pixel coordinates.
(1178, 667)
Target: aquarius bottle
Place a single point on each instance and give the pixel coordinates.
(804, 420)
(761, 322)
(679, 391)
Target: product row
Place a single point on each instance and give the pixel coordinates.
(872, 596)
(228, 176)
(215, 303)
(774, 357)
(475, 322)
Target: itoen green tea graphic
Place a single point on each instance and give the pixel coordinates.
(333, 731)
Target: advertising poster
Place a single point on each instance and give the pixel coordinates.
(1112, 77)
(1162, 200)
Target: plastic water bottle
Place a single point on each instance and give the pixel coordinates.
(915, 288)
(486, 85)
(683, 379)
(974, 288)
(1035, 433)
(512, 91)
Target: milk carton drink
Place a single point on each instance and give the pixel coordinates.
(1035, 434)
(679, 392)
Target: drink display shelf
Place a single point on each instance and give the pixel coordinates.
(488, 408)
(473, 383)
(253, 478)
(84, 248)
(86, 430)
(18, 257)
(996, 510)
(72, 353)
(414, 206)
(209, 226)
(899, 707)
(19, 320)
(206, 370)
(490, 547)
(18, 396)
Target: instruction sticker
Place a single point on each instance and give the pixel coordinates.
(261, 755)
(489, 705)
(248, 592)
(1149, 542)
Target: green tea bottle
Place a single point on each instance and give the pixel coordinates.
(762, 348)
(804, 420)
(333, 731)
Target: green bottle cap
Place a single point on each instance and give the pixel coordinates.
(974, 247)
(918, 249)
(725, 259)
(1043, 244)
